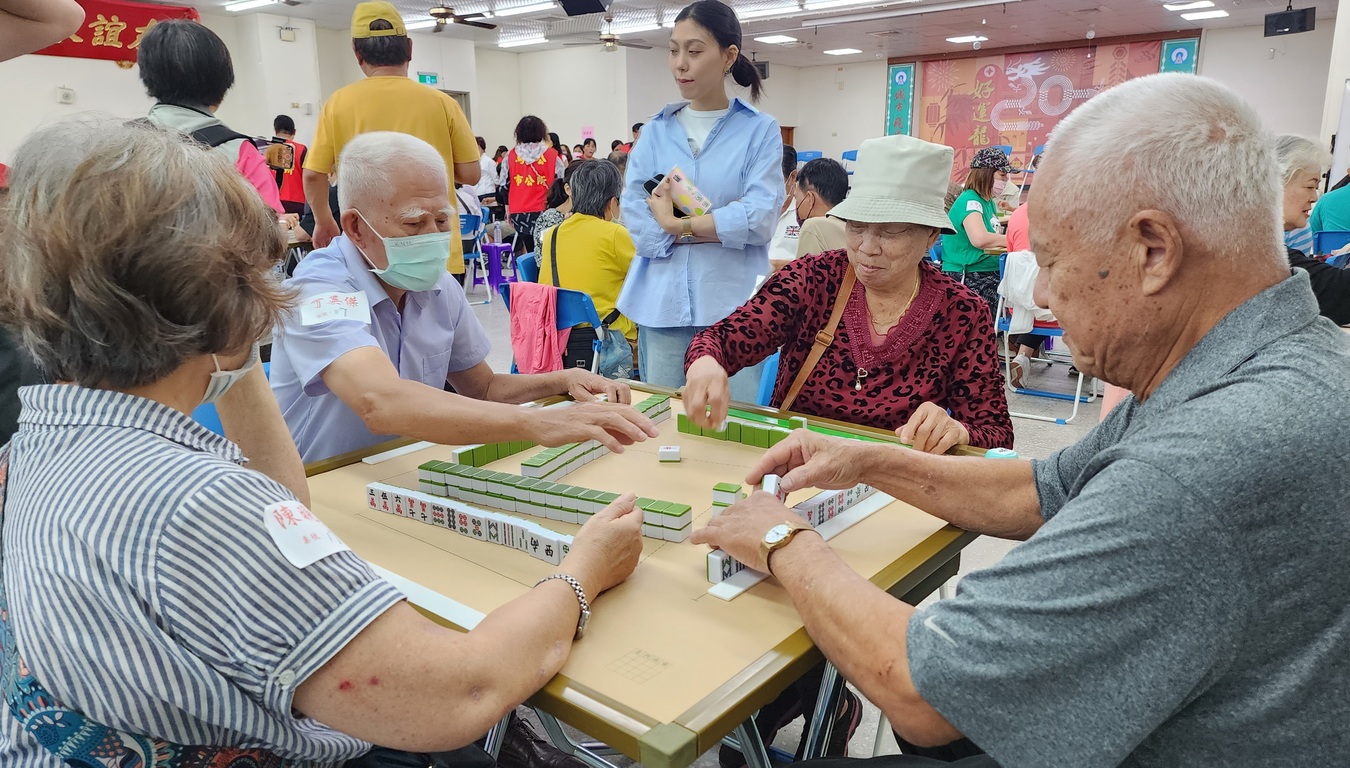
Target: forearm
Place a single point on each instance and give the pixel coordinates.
(412, 409)
(522, 388)
(252, 419)
(31, 25)
(862, 630)
(993, 497)
(316, 194)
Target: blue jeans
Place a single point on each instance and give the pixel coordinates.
(661, 361)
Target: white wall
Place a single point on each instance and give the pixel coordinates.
(337, 63)
(840, 106)
(30, 84)
(782, 96)
(650, 84)
(1338, 72)
(496, 101)
(576, 87)
(1283, 78)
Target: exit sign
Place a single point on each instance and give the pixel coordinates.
(428, 78)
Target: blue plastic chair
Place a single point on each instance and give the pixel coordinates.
(851, 154)
(527, 268)
(935, 253)
(767, 379)
(807, 155)
(207, 416)
(1328, 241)
(574, 308)
(1001, 327)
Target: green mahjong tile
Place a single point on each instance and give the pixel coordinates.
(727, 488)
(608, 498)
(734, 431)
(429, 466)
(658, 507)
(591, 495)
(675, 510)
(642, 502)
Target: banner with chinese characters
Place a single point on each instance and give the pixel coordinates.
(900, 99)
(113, 28)
(1013, 101)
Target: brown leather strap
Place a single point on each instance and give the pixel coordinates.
(824, 338)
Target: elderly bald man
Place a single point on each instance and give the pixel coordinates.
(382, 327)
(1181, 597)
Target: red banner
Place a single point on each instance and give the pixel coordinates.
(113, 29)
(1014, 101)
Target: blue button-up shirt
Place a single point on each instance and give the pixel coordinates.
(436, 334)
(739, 168)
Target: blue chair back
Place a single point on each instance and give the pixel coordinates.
(807, 155)
(1328, 241)
(935, 254)
(767, 379)
(1006, 149)
(851, 154)
(468, 225)
(527, 268)
(574, 307)
(207, 416)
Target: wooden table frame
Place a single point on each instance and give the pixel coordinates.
(911, 577)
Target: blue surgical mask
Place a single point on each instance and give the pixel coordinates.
(416, 262)
(221, 381)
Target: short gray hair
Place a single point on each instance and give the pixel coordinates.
(593, 185)
(129, 250)
(366, 168)
(1297, 153)
(1183, 144)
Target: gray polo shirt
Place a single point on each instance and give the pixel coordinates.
(1187, 601)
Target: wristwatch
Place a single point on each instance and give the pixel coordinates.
(779, 536)
(581, 598)
(686, 231)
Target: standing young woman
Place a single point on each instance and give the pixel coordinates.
(531, 168)
(692, 272)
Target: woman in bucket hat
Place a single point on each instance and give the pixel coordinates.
(905, 346)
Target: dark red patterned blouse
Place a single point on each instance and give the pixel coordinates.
(942, 351)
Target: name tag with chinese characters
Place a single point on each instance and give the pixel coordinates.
(299, 535)
(323, 307)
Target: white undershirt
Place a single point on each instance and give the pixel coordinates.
(699, 124)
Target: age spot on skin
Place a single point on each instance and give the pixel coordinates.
(374, 681)
(1103, 274)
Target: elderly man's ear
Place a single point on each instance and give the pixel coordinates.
(1156, 249)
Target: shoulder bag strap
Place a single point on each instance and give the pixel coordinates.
(553, 255)
(824, 338)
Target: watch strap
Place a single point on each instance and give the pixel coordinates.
(794, 527)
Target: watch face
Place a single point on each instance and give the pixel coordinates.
(776, 534)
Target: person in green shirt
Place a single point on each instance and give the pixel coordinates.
(1332, 212)
(973, 217)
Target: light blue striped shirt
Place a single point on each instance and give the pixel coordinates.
(1300, 240)
(146, 593)
(739, 168)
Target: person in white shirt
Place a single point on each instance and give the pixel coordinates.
(783, 246)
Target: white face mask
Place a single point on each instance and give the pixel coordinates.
(221, 381)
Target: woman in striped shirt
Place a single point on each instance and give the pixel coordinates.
(161, 604)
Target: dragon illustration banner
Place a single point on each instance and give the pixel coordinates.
(1013, 101)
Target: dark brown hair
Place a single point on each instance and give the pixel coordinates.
(725, 28)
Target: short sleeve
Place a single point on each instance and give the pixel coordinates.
(462, 142)
(312, 348)
(322, 155)
(1057, 474)
(1121, 610)
(233, 599)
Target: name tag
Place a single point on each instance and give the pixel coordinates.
(323, 307)
(302, 539)
(974, 205)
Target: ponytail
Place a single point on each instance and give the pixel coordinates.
(557, 193)
(746, 75)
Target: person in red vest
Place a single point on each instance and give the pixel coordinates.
(290, 181)
(532, 165)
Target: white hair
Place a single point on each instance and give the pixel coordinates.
(1297, 153)
(366, 167)
(1183, 144)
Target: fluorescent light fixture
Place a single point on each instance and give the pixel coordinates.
(669, 23)
(968, 39)
(767, 13)
(913, 11)
(643, 27)
(842, 51)
(519, 9)
(776, 39)
(823, 5)
(424, 23)
(1195, 6)
(248, 5)
(1198, 15)
(519, 43)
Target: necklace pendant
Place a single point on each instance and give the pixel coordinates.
(858, 380)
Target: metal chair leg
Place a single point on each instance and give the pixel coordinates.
(822, 722)
(492, 744)
(589, 753)
(752, 746)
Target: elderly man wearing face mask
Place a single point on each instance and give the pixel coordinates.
(381, 327)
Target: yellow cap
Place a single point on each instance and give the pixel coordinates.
(365, 13)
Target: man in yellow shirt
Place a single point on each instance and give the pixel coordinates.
(386, 100)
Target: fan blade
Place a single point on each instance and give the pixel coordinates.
(479, 24)
(576, 44)
(634, 45)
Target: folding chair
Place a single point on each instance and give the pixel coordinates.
(471, 228)
(574, 308)
(1328, 241)
(807, 155)
(767, 378)
(527, 268)
(207, 416)
(850, 157)
(1043, 328)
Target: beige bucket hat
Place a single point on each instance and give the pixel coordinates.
(899, 179)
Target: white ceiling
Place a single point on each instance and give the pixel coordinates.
(1023, 22)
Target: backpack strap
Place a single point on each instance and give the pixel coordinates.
(215, 135)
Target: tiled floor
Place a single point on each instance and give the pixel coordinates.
(1033, 439)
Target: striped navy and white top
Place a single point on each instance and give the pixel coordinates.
(146, 593)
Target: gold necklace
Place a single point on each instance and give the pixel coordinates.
(862, 372)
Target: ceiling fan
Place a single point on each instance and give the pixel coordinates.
(444, 15)
(611, 41)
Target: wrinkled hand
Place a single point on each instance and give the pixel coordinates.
(707, 394)
(324, 232)
(606, 549)
(740, 529)
(1005, 207)
(809, 460)
(931, 430)
(583, 386)
(663, 206)
(613, 424)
